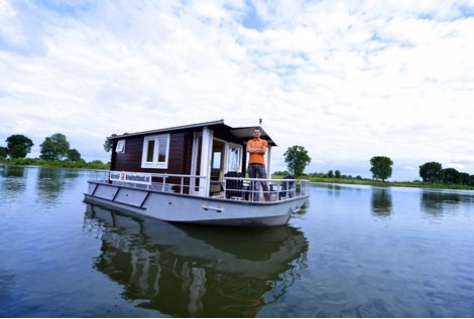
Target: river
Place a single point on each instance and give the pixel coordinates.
(355, 251)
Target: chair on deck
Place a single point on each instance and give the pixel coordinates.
(216, 187)
(233, 188)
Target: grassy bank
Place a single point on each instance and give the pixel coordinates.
(61, 164)
(383, 184)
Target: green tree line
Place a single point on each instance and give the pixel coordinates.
(433, 172)
(381, 169)
(54, 148)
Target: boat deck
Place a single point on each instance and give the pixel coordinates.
(232, 187)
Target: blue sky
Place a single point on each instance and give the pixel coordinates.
(348, 80)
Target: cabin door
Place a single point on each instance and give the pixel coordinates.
(212, 158)
(201, 162)
(217, 160)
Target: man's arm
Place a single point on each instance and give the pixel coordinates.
(261, 150)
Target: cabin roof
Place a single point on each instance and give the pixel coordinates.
(242, 133)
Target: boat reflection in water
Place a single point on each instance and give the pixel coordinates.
(197, 271)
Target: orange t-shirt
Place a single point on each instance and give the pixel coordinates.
(257, 158)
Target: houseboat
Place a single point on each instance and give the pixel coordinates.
(195, 174)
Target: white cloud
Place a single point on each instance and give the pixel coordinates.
(347, 80)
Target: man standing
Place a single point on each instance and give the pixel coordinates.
(257, 147)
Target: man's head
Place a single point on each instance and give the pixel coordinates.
(256, 132)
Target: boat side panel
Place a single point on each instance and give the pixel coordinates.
(185, 208)
(253, 221)
(134, 197)
(106, 191)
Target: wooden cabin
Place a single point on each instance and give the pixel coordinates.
(209, 149)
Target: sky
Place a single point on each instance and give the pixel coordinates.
(346, 79)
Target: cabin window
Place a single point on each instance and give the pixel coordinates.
(155, 151)
(216, 160)
(120, 148)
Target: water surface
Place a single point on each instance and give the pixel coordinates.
(356, 251)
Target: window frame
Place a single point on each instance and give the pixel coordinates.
(120, 147)
(156, 148)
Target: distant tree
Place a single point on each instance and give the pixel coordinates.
(381, 167)
(108, 143)
(73, 155)
(337, 173)
(22, 140)
(54, 147)
(429, 172)
(330, 174)
(49, 150)
(3, 152)
(449, 176)
(18, 151)
(464, 179)
(296, 157)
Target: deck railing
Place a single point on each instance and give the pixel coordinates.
(233, 188)
(258, 189)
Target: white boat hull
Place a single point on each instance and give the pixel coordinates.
(175, 207)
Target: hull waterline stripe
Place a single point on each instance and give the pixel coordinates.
(112, 203)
